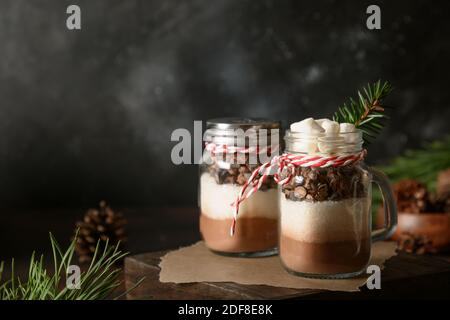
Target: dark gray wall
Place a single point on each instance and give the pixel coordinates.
(87, 115)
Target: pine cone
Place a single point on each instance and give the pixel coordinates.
(442, 203)
(99, 224)
(411, 196)
(415, 244)
(443, 184)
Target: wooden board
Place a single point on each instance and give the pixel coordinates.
(405, 275)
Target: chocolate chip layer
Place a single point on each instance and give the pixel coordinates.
(321, 184)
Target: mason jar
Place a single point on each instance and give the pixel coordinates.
(325, 207)
(234, 147)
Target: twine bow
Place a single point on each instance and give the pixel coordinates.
(282, 168)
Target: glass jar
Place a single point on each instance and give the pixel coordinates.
(325, 208)
(234, 147)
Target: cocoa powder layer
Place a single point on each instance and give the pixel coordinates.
(251, 235)
(326, 258)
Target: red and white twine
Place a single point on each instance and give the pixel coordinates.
(224, 148)
(284, 165)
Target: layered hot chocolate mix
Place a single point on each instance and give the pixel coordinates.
(256, 229)
(324, 207)
(325, 237)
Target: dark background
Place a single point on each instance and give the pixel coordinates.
(87, 115)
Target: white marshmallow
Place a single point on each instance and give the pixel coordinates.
(330, 127)
(309, 147)
(350, 133)
(351, 137)
(305, 143)
(347, 127)
(307, 125)
(320, 121)
(330, 144)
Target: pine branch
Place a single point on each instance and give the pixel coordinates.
(421, 164)
(97, 282)
(367, 111)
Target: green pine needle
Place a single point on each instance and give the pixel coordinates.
(421, 164)
(97, 282)
(367, 111)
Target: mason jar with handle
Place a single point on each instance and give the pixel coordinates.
(234, 148)
(325, 201)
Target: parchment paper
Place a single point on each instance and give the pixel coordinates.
(197, 264)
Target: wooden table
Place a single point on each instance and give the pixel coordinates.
(156, 229)
(405, 275)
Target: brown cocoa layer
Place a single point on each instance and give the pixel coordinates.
(238, 175)
(324, 258)
(251, 234)
(320, 184)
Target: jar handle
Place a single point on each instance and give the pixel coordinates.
(389, 205)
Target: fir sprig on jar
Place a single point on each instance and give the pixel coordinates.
(367, 111)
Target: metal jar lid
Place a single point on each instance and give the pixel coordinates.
(242, 123)
(224, 130)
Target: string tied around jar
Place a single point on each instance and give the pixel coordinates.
(282, 168)
(214, 149)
